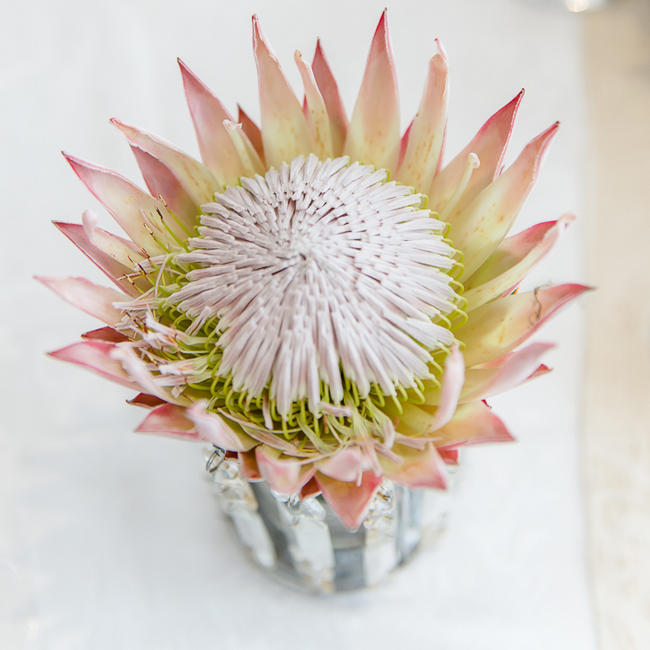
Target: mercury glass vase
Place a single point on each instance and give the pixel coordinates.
(304, 544)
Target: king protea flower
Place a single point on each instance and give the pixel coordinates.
(320, 297)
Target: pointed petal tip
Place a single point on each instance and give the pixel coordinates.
(573, 289)
(510, 109)
(381, 31)
(544, 138)
(74, 161)
(441, 49)
(349, 501)
(122, 126)
(258, 37)
(118, 123)
(188, 76)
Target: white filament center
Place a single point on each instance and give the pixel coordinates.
(318, 271)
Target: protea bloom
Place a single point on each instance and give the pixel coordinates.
(320, 297)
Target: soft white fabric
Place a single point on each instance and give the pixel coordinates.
(111, 540)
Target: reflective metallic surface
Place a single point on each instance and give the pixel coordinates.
(303, 542)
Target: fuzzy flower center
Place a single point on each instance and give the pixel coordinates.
(320, 274)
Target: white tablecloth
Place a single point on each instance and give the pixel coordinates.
(110, 540)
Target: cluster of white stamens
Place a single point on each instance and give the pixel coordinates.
(318, 271)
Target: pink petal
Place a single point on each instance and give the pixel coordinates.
(424, 145)
(134, 210)
(480, 227)
(310, 489)
(284, 474)
(476, 377)
(139, 373)
(374, 132)
(418, 468)
(114, 256)
(347, 464)
(208, 114)
(252, 131)
(162, 184)
(213, 428)
(514, 369)
(501, 325)
(418, 420)
(96, 356)
(349, 500)
(90, 298)
(105, 262)
(285, 133)
(332, 98)
(450, 456)
(473, 423)
(197, 180)
(452, 383)
(249, 159)
(248, 466)
(489, 144)
(540, 371)
(145, 401)
(169, 420)
(318, 119)
(107, 334)
(403, 143)
(510, 262)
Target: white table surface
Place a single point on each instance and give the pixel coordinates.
(110, 540)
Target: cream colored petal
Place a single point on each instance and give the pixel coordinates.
(199, 182)
(489, 144)
(374, 133)
(499, 326)
(134, 210)
(208, 114)
(474, 423)
(481, 226)
(330, 92)
(87, 296)
(250, 161)
(426, 134)
(514, 257)
(163, 184)
(285, 133)
(511, 370)
(96, 356)
(108, 252)
(252, 131)
(318, 119)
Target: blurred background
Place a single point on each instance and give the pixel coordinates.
(110, 540)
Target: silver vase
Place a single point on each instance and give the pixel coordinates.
(303, 543)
